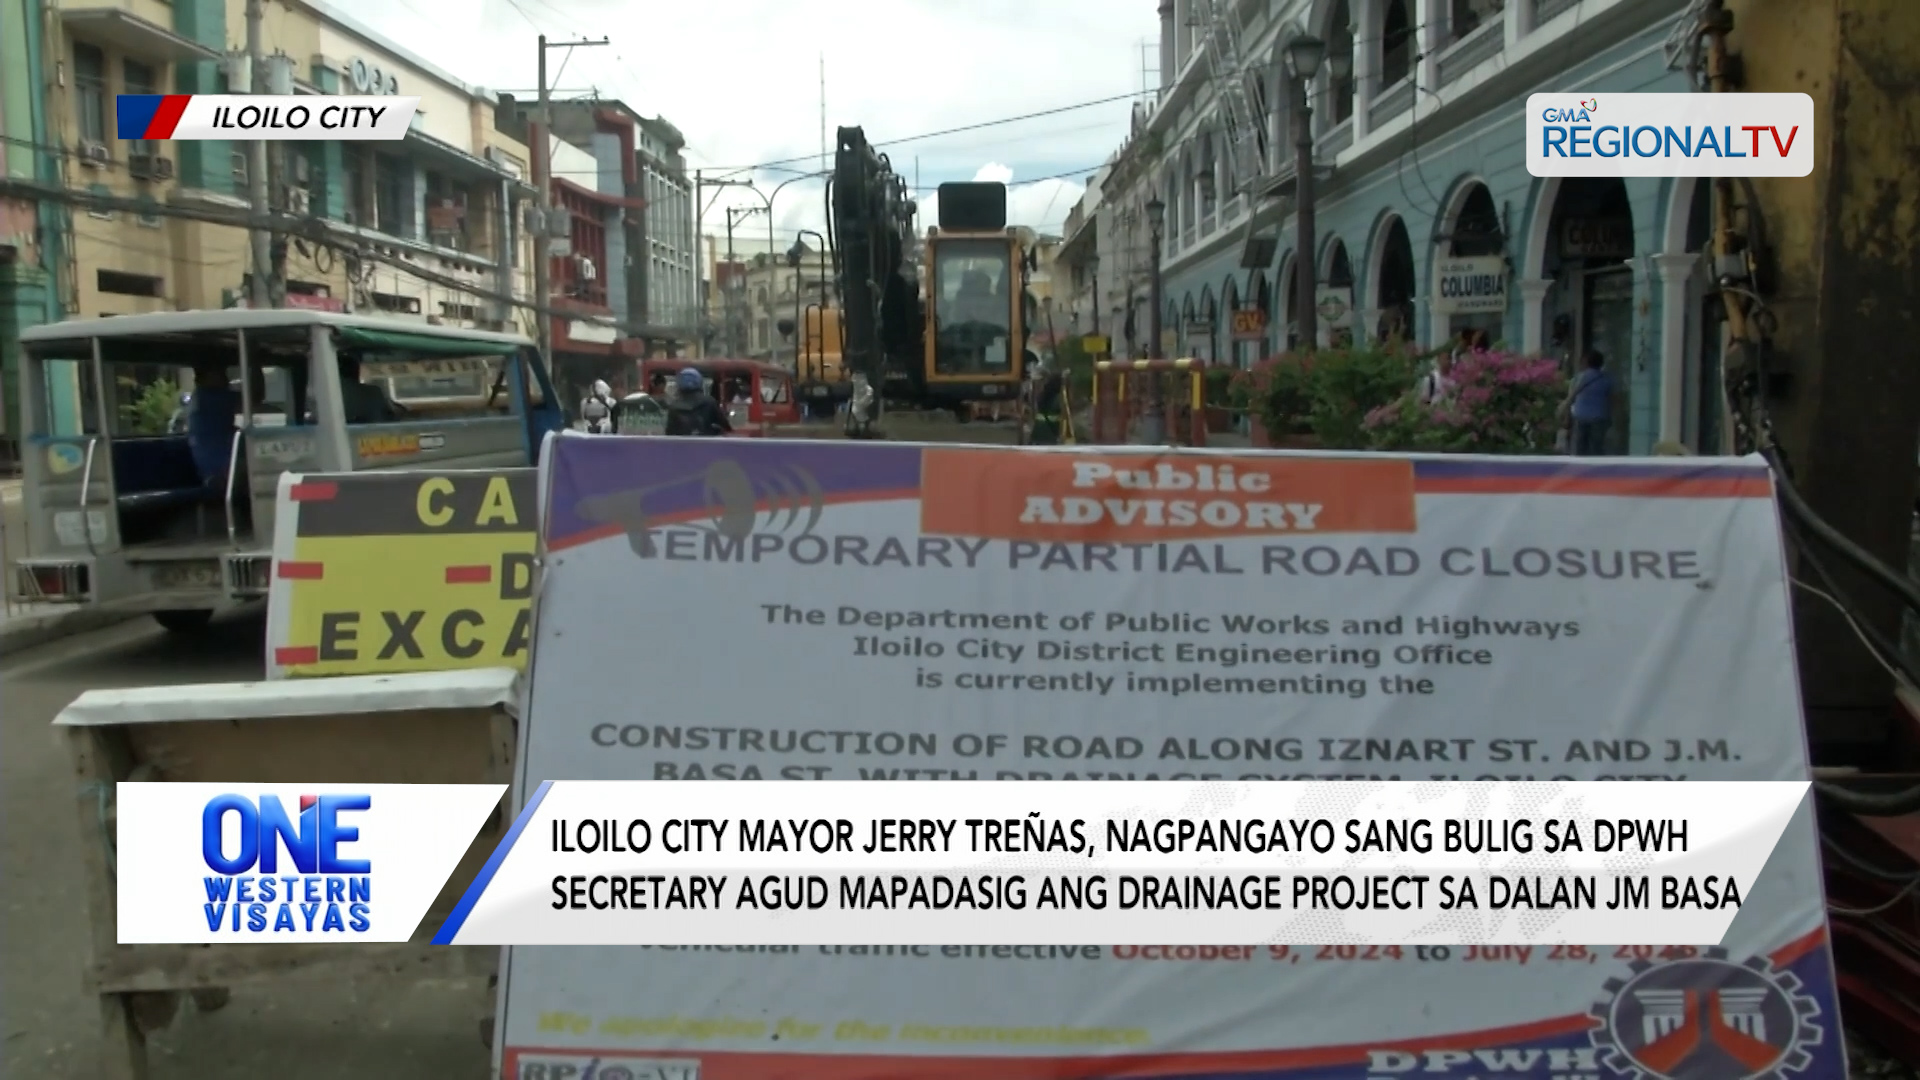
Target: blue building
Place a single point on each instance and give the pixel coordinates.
(1422, 188)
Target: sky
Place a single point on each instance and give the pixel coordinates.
(742, 81)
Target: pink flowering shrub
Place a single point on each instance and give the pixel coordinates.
(1502, 403)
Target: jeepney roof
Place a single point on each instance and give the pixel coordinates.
(193, 322)
(717, 364)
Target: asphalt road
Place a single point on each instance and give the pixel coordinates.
(295, 1029)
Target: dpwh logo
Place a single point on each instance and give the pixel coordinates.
(318, 887)
(1707, 1019)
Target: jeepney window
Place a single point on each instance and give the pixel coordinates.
(773, 390)
(387, 388)
(69, 408)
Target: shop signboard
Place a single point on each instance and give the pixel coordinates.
(1469, 285)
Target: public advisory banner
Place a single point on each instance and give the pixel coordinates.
(890, 611)
(390, 572)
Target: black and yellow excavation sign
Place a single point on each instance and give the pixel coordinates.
(380, 573)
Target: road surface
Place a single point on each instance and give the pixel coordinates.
(296, 1030)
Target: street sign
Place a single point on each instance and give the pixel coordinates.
(1249, 324)
(1096, 344)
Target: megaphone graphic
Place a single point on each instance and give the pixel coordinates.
(728, 497)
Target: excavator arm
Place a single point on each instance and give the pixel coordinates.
(870, 212)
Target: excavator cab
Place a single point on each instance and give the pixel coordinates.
(977, 300)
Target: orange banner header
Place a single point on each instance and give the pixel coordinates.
(1147, 498)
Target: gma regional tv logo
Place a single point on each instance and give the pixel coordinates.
(318, 886)
(1574, 134)
(1148, 498)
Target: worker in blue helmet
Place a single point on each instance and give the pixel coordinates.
(693, 411)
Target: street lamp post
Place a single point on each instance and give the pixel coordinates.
(794, 254)
(1156, 217)
(1304, 55)
(735, 283)
(1093, 268)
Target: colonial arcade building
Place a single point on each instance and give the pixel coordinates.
(1428, 223)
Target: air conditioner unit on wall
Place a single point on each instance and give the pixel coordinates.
(95, 155)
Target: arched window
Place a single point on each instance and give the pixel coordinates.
(1396, 43)
(1466, 16)
(1339, 38)
(1394, 284)
(1206, 174)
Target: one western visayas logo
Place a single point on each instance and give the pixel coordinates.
(1147, 498)
(401, 572)
(317, 887)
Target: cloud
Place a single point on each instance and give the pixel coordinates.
(742, 81)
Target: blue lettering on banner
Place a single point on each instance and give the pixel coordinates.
(330, 892)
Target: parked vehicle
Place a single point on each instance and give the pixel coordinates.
(124, 511)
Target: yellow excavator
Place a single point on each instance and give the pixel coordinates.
(944, 337)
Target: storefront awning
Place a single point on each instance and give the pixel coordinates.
(128, 33)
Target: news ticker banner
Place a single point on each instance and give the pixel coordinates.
(277, 117)
(219, 863)
(380, 573)
(852, 611)
(1063, 863)
(995, 863)
(1604, 134)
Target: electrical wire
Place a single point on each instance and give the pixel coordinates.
(734, 170)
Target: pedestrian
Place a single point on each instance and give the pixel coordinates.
(596, 409)
(693, 412)
(1437, 386)
(1589, 407)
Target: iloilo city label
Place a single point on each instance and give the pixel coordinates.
(185, 117)
(1575, 134)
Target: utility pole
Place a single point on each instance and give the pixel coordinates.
(700, 260)
(259, 295)
(542, 137)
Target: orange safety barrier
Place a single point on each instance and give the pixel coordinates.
(1150, 402)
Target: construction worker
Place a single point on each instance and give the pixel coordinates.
(693, 411)
(596, 409)
(1049, 408)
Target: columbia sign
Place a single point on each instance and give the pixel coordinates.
(1703, 134)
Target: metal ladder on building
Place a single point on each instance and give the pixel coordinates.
(1238, 87)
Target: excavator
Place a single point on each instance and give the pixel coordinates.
(946, 342)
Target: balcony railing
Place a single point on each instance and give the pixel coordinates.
(1546, 10)
(1471, 51)
(1397, 99)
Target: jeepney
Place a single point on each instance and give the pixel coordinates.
(121, 510)
(758, 396)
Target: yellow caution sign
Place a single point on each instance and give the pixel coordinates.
(381, 573)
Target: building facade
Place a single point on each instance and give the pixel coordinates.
(773, 289)
(1421, 176)
(428, 227)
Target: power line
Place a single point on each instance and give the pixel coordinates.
(319, 231)
(1002, 121)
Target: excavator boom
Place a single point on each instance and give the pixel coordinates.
(872, 211)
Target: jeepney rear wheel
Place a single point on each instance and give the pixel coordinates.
(184, 620)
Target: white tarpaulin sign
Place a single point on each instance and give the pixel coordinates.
(801, 610)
